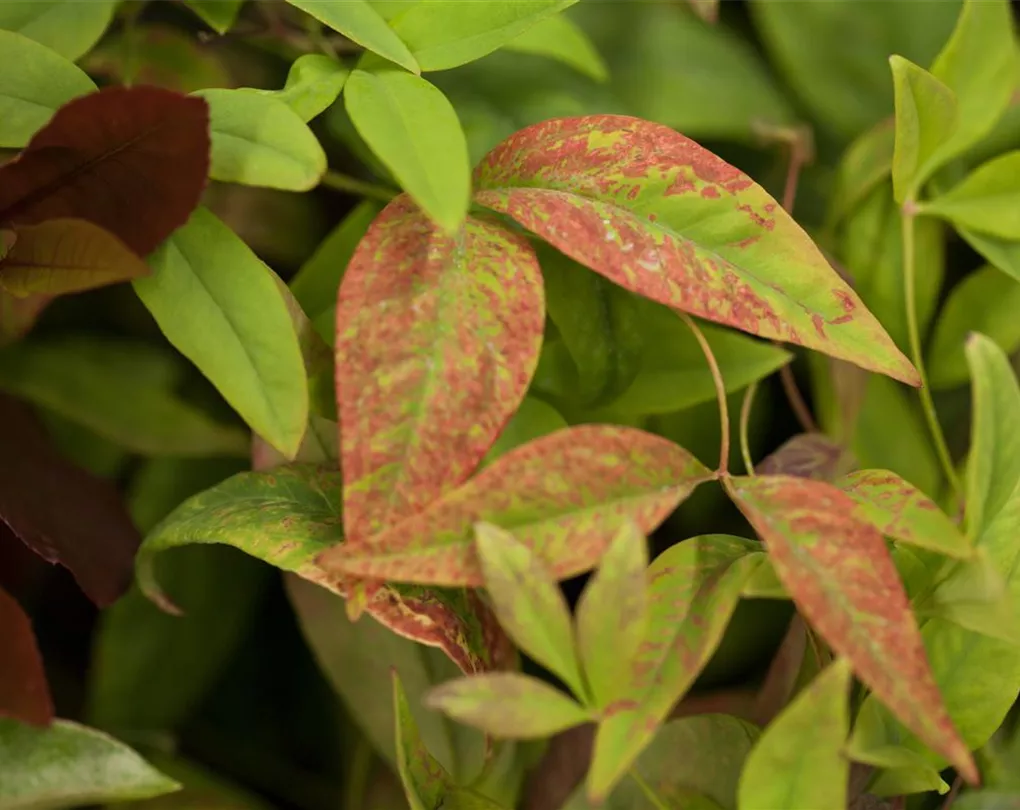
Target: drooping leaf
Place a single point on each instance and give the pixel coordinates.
(533, 420)
(90, 533)
(564, 496)
(558, 37)
(811, 528)
(508, 705)
(219, 15)
(807, 455)
(37, 82)
(986, 302)
(987, 200)
(413, 129)
(221, 308)
(70, 28)
(437, 339)
(258, 140)
(361, 23)
(528, 603)
(24, 692)
(69, 765)
(900, 511)
(313, 83)
(694, 588)
(426, 782)
(633, 200)
(132, 160)
(612, 616)
(798, 761)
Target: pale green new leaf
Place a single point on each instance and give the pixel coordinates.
(257, 140)
(413, 129)
(219, 15)
(612, 615)
(798, 761)
(220, 306)
(425, 780)
(560, 38)
(69, 27)
(37, 81)
(528, 603)
(313, 83)
(986, 201)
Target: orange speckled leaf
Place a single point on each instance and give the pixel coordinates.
(839, 572)
(564, 495)
(660, 215)
(437, 339)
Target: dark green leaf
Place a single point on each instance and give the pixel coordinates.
(217, 14)
(533, 419)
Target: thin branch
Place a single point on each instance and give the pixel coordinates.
(720, 392)
(745, 420)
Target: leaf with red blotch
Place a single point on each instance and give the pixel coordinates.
(840, 574)
(564, 495)
(660, 215)
(132, 160)
(61, 512)
(901, 511)
(62, 256)
(24, 693)
(808, 455)
(437, 339)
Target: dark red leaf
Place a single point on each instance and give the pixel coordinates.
(133, 161)
(24, 694)
(61, 512)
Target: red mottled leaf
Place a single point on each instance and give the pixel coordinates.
(61, 512)
(24, 693)
(901, 511)
(437, 339)
(808, 455)
(132, 160)
(840, 574)
(565, 496)
(66, 256)
(658, 214)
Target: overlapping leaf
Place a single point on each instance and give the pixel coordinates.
(24, 693)
(811, 530)
(662, 216)
(425, 780)
(437, 339)
(987, 200)
(313, 83)
(217, 14)
(564, 495)
(558, 37)
(807, 455)
(68, 27)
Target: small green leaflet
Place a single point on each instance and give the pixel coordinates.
(799, 761)
(313, 83)
(425, 780)
(69, 27)
(558, 37)
(986, 201)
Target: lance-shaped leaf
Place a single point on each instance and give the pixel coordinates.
(987, 200)
(426, 782)
(694, 587)
(901, 511)
(132, 160)
(508, 705)
(437, 339)
(286, 518)
(812, 530)
(564, 496)
(807, 455)
(528, 603)
(217, 14)
(612, 615)
(24, 693)
(798, 761)
(658, 214)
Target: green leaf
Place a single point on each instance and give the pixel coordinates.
(1001, 253)
(437, 338)
(560, 38)
(534, 419)
(598, 214)
(987, 200)
(69, 27)
(988, 800)
(986, 301)
(109, 386)
(37, 81)
(810, 528)
(257, 140)
(900, 511)
(313, 83)
(612, 615)
(425, 781)
(413, 129)
(68, 765)
(219, 15)
(799, 762)
(508, 705)
(443, 34)
(693, 589)
(221, 308)
(564, 495)
(361, 23)
(864, 165)
(528, 603)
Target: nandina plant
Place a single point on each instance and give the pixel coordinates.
(523, 404)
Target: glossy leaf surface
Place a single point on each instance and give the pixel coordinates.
(429, 368)
(564, 496)
(658, 214)
(987, 200)
(313, 83)
(24, 692)
(70, 28)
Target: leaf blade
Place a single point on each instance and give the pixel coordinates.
(425, 780)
